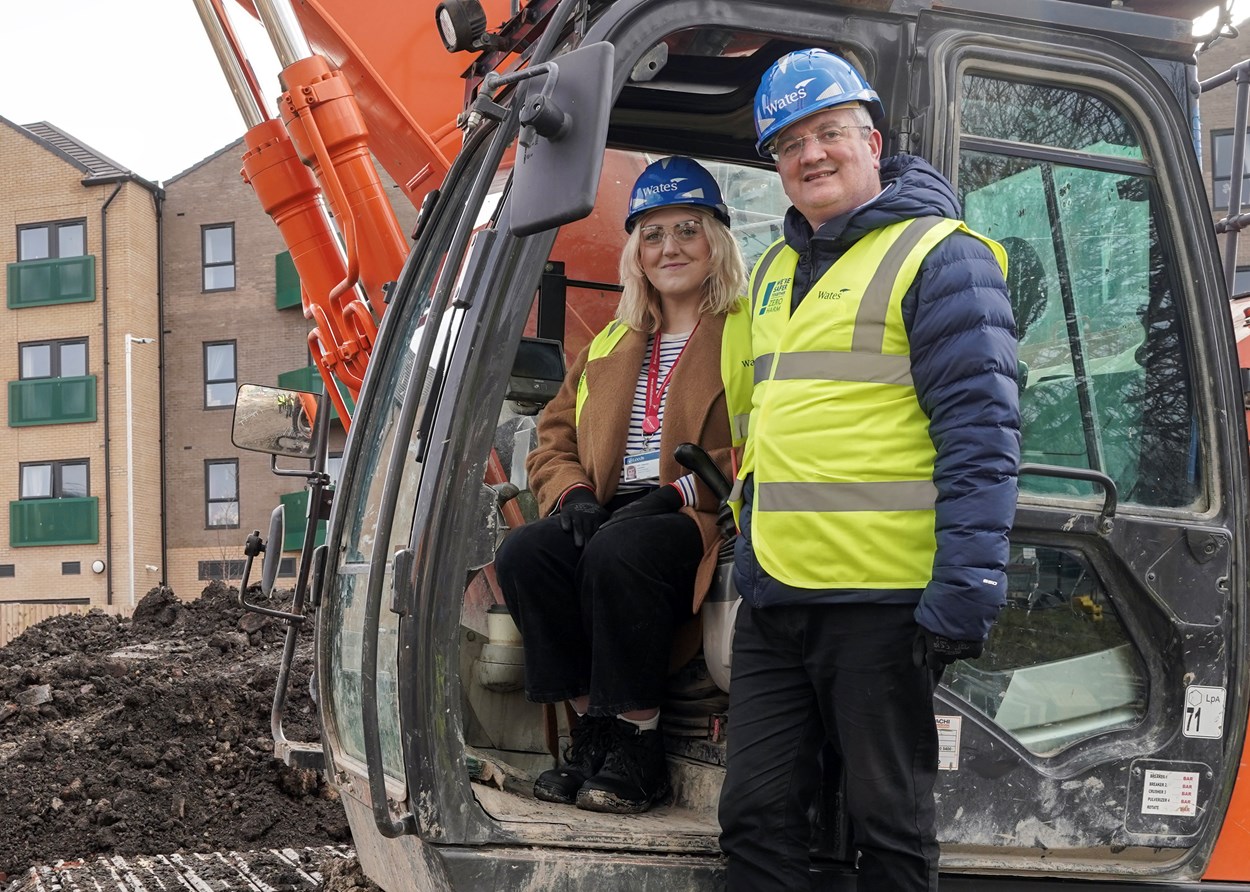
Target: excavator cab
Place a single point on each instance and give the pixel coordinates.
(1102, 735)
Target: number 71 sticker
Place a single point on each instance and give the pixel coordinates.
(1204, 712)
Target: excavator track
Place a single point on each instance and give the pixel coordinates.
(272, 870)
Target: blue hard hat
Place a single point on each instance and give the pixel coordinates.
(673, 181)
(804, 82)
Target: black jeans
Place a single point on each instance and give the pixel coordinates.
(599, 620)
(807, 674)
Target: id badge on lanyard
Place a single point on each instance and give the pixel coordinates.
(642, 466)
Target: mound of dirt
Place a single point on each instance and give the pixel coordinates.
(151, 735)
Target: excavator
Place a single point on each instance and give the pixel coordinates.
(1101, 740)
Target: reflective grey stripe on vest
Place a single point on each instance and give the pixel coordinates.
(762, 268)
(869, 332)
(885, 495)
(865, 362)
(740, 424)
(832, 365)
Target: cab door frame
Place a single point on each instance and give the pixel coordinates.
(1177, 571)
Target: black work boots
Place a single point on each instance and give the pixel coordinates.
(590, 738)
(609, 766)
(634, 776)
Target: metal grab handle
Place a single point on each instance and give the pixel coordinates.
(252, 547)
(696, 459)
(1110, 493)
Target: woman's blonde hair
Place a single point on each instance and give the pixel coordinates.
(727, 277)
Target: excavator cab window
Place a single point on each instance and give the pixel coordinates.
(1100, 332)
(1060, 666)
(378, 522)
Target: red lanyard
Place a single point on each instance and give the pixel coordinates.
(656, 387)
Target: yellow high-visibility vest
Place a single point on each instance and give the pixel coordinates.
(838, 444)
(602, 345)
(735, 365)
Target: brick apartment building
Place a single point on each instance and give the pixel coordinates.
(232, 316)
(188, 285)
(80, 455)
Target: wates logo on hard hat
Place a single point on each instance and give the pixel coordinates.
(798, 94)
(648, 191)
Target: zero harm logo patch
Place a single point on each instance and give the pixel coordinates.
(773, 296)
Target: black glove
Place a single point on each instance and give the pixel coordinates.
(581, 514)
(937, 651)
(662, 500)
(725, 522)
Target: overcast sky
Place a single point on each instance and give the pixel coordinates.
(134, 79)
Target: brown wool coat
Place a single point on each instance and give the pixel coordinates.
(591, 452)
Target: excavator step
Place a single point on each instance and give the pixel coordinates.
(273, 870)
(300, 755)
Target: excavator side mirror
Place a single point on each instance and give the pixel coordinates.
(557, 177)
(276, 421)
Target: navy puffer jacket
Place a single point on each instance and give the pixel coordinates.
(963, 356)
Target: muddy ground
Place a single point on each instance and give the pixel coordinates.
(151, 735)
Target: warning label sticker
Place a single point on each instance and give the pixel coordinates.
(948, 728)
(1170, 793)
(1204, 712)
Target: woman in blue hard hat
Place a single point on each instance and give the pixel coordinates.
(600, 585)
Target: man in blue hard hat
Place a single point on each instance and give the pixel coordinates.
(877, 489)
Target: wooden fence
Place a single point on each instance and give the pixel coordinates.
(16, 618)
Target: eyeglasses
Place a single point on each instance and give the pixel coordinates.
(789, 149)
(686, 231)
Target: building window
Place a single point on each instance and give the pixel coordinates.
(218, 245)
(47, 241)
(234, 569)
(1221, 170)
(1241, 282)
(53, 265)
(221, 569)
(55, 480)
(8, 571)
(71, 568)
(54, 359)
(220, 375)
(221, 482)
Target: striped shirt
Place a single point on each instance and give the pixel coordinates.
(637, 442)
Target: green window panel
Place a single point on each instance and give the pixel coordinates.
(296, 504)
(54, 522)
(286, 282)
(52, 401)
(65, 280)
(309, 379)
